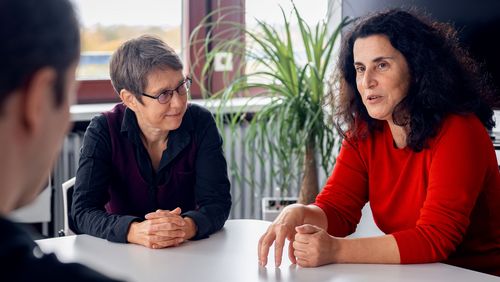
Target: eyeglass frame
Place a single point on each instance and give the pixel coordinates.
(170, 92)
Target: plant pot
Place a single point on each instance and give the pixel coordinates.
(272, 206)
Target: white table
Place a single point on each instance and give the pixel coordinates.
(231, 255)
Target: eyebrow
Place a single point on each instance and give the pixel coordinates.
(377, 59)
(166, 88)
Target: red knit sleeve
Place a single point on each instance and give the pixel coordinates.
(345, 192)
(456, 174)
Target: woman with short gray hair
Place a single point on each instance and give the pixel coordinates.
(152, 170)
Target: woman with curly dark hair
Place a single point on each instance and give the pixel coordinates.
(413, 109)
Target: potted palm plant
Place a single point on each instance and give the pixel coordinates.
(295, 126)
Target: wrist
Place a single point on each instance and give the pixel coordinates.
(338, 249)
(294, 214)
(190, 229)
(131, 232)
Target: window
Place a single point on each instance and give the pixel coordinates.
(105, 25)
(312, 11)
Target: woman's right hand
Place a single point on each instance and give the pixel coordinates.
(158, 232)
(282, 228)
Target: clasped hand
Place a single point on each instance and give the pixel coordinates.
(313, 246)
(309, 245)
(162, 229)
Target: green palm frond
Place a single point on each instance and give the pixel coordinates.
(296, 115)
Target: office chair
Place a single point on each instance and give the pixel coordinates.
(67, 192)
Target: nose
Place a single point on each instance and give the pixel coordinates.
(369, 80)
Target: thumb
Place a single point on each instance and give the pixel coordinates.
(307, 229)
(176, 211)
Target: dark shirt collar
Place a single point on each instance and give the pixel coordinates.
(177, 139)
(13, 235)
(130, 127)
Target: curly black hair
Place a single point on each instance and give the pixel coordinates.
(444, 78)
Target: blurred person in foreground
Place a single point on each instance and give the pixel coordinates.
(39, 53)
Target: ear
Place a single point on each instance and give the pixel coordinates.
(39, 99)
(128, 99)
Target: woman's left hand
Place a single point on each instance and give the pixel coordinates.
(314, 246)
(189, 228)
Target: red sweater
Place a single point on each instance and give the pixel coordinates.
(441, 204)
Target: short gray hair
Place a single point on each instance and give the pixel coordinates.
(136, 58)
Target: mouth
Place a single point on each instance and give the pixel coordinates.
(172, 115)
(372, 98)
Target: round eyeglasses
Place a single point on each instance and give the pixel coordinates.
(166, 95)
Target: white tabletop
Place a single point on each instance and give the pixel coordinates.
(231, 255)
